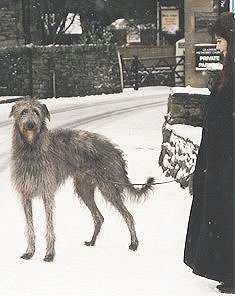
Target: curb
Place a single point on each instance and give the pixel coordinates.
(10, 100)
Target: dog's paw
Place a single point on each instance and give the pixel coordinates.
(49, 258)
(133, 246)
(89, 244)
(27, 256)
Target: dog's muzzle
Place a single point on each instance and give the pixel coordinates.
(30, 125)
(30, 131)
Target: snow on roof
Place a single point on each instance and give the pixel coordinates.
(123, 24)
(119, 24)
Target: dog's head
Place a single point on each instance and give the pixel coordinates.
(30, 116)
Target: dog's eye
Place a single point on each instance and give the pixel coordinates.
(35, 112)
(24, 112)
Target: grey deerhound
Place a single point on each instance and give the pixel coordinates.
(43, 159)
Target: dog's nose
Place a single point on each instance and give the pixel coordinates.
(30, 125)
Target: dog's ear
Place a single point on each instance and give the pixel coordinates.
(46, 112)
(12, 111)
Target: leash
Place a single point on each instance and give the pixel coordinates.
(140, 184)
(155, 183)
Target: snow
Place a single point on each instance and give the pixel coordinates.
(73, 23)
(119, 24)
(109, 268)
(190, 90)
(187, 132)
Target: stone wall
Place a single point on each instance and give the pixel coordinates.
(186, 105)
(181, 133)
(146, 51)
(46, 71)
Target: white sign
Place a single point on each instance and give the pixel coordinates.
(133, 34)
(170, 20)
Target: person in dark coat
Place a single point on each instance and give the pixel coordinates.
(209, 247)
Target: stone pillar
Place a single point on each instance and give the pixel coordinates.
(197, 14)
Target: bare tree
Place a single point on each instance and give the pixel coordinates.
(52, 19)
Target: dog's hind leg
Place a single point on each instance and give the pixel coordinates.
(97, 218)
(118, 204)
(50, 235)
(27, 206)
(116, 200)
(85, 190)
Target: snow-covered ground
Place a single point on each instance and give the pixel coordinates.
(109, 268)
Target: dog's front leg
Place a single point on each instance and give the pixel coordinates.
(50, 235)
(27, 206)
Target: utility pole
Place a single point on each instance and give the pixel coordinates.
(158, 22)
(26, 20)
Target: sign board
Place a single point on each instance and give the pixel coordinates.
(207, 57)
(180, 47)
(203, 20)
(170, 20)
(133, 34)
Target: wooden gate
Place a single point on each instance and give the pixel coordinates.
(153, 71)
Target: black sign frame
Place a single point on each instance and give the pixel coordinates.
(207, 57)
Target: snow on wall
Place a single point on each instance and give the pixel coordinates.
(179, 152)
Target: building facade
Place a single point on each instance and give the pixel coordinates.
(200, 15)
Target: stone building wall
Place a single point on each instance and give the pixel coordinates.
(11, 31)
(47, 71)
(195, 10)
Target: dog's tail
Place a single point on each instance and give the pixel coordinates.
(140, 193)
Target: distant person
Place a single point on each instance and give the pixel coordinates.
(209, 248)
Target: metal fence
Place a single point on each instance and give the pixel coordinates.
(153, 71)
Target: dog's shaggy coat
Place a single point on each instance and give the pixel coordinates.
(43, 159)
